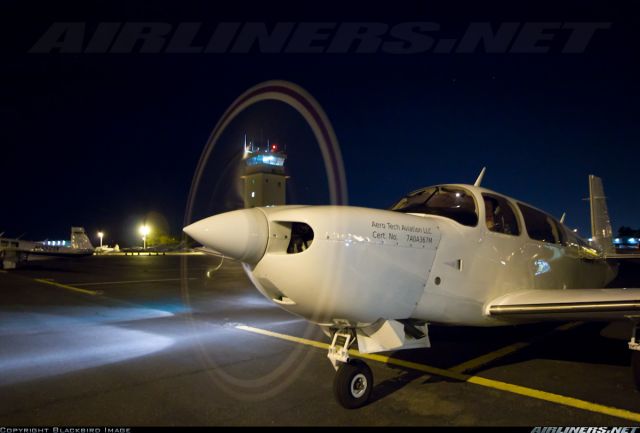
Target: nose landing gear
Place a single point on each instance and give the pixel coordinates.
(353, 382)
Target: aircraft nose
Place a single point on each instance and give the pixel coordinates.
(240, 234)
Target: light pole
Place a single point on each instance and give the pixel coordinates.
(144, 231)
(100, 235)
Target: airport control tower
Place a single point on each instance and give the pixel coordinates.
(264, 175)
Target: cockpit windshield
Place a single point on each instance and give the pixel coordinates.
(447, 201)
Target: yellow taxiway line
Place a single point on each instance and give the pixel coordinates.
(477, 380)
(485, 359)
(103, 283)
(64, 286)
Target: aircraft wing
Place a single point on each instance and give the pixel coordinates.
(569, 304)
(622, 256)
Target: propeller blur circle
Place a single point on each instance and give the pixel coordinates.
(275, 381)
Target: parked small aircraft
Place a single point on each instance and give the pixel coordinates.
(447, 254)
(156, 249)
(16, 251)
(106, 249)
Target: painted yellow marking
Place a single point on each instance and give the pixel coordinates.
(477, 380)
(103, 283)
(568, 326)
(408, 364)
(2, 271)
(474, 363)
(556, 398)
(485, 359)
(64, 286)
(313, 343)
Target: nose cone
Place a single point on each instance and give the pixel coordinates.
(240, 234)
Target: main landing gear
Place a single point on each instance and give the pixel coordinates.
(353, 382)
(634, 345)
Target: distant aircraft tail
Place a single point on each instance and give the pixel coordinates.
(79, 239)
(601, 231)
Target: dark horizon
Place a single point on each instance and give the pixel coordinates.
(103, 140)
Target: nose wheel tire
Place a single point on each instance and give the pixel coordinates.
(352, 384)
(635, 367)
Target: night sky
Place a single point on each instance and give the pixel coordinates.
(107, 140)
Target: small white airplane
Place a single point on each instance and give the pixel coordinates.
(106, 249)
(447, 254)
(17, 251)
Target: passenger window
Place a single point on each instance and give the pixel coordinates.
(499, 215)
(540, 226)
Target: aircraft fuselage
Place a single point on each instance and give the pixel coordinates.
(360, 265)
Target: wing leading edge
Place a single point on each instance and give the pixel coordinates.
(622, 256)
(583, 304)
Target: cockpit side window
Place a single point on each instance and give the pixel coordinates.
(540, 226)
(447, 201)
(499, 215)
